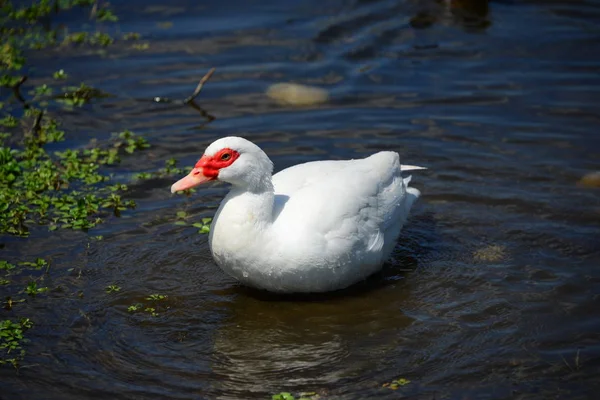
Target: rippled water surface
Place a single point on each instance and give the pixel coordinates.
(493, 291)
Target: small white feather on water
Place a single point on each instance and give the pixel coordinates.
(297, 95)
(405, 167)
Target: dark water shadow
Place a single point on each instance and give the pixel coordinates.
(471, 15)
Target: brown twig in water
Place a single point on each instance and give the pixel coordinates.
(17, 91)
(202, 111)
(200, 85)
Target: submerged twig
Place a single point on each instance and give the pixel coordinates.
(200, 85)
(17, 91)
(202, 111)
(190, 100)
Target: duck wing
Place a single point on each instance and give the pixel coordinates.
(342, 207)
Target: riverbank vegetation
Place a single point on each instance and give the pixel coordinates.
(47, 185)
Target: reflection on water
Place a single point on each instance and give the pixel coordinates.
(493, 289)
(471, 14)
(300, 345)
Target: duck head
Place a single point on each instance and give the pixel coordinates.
(234, 160)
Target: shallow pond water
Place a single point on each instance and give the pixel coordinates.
(493, 291)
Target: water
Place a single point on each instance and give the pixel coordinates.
(493, 291)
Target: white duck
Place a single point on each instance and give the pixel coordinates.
(313, 227)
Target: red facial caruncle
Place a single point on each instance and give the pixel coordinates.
(206, 169)
(210, 165)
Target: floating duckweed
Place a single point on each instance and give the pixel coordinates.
(152, 305)
(104, 14)
(283, 396)
(157, 297)
(140, 46)
(112, 289)
(134, 307)
(77, 96)
(32, 289)
(6, 266)
(39, 187)
(60, 74)
(289, 396)
(396, 383)
(11, 340)
(169, 170)
(36, 185)
(9, 121)
(38, 264)
(204, 226)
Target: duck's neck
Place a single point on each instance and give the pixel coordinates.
(249, 206)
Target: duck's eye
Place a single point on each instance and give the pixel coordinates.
(225, 156)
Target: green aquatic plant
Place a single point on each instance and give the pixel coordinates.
(12, 337)
(140, 46)
(9, 121)
(112, 289)
(60, 75)
(10, 57)
(6, 266)
(181, 216)
(142, 176)
(101, 39)
(9, 269)
(38, 186)
(157, 297)
(62, 189)
(135, 307)
(32, 289)
(38, 264)
(84, 38)
(170, 169)
(151, 311)
(396, 383)
(131, 36)
(131, 142)
(77, 96)
(203, 226)
(117, 204)
(283, 396)
(105, 14)
(151, 306)
(42, 90)
(76, 37)
(289, 396)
